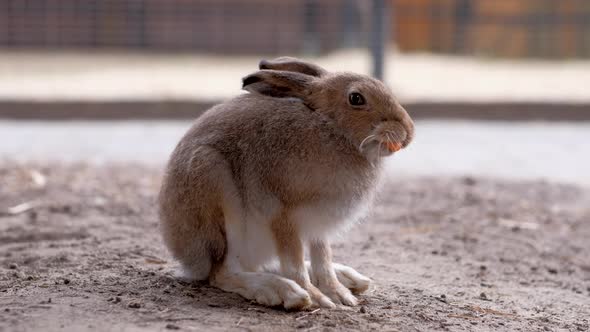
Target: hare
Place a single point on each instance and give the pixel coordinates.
(259, 178)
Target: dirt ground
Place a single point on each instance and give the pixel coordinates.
(457, 254)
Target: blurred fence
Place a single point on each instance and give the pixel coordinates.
(514, 28)
(218, 26)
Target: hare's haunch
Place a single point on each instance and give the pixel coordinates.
(261, 177)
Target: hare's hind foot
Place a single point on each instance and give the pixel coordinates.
(264, 288)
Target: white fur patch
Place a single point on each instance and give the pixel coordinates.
(331, 219)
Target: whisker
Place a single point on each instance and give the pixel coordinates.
(389, 137)
(394, 135)
(365, 140)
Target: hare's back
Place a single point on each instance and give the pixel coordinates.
(254, 121)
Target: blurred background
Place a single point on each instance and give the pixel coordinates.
(525, 28)
(498, 88)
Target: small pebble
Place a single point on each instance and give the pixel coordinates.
(13, 266)
(134, 305)
(470, 181)
(304, 325)
(33, 215)
(66, 281)
(483, 296)
(552, 270)
(363, 310)
(172, 327)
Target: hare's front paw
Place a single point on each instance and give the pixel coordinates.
(351, 279)
(339, 294)
(319, 299)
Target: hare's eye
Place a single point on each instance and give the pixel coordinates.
(356, 99)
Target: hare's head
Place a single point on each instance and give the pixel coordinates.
(362, 106)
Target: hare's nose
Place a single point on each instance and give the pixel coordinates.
(409, 134)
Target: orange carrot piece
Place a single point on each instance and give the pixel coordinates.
(394, 146)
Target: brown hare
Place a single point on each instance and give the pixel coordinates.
(262, 177)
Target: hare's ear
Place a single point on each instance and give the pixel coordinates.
(276, 83)
(292, 64)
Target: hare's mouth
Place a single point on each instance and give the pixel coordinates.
(388, 148)
(384, 141)
(379, 148)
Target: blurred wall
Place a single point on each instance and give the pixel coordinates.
(508, 28)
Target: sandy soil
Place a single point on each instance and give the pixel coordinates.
(445, 253)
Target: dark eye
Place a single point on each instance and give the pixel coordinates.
(356, 99)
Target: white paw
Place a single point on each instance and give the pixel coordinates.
(351, 279)
(320, 300)
(293, 296)
(267, 296)
(340, 294)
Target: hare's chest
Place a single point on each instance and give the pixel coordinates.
(342, 203)
(330, 217)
